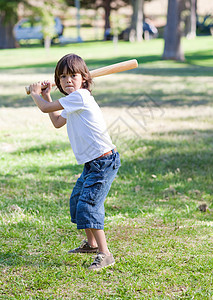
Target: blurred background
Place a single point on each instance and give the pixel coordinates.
(31, 22)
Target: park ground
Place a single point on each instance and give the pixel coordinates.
(160, 116)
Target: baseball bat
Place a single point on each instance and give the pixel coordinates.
(115, 68)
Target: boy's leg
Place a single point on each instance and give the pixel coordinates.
(100, 238)
(91, 238)
(104, 258)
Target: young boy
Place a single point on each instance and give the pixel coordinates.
(92, 147)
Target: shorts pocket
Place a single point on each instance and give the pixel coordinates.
(93, 192)
(95, 166)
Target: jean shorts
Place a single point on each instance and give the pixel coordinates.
(90, 191)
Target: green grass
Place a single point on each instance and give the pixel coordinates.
(161, 118)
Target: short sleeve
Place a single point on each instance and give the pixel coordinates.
(64, 114)
(72, 103)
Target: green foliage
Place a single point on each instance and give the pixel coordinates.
(47, 21)
(47, 18)
(8, 9)
(117, 22)
(96, 3)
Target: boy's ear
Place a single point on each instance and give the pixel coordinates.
(84, 84)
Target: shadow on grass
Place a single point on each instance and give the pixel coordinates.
(14, 259)
(195, 58)
(153, 99)
(125, 99)
(22, 100)
(91, 63)
(188, 68)
(190, 152)
(178, 173)
(18, 259)
(16, 101)
(42, 148)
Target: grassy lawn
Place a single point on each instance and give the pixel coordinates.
(160, 116)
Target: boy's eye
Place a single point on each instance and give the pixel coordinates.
(62, 76)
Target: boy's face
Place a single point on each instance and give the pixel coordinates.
(70, 82)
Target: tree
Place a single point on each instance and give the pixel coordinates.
(172, 33)
(108, 5)
(190, 18)
(44, 9)
(107, 8)
(8, 18)
(136, 28)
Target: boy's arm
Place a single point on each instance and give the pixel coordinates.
(57, 120)
(46, 105)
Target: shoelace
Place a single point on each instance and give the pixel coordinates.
(98, 259)
(84, 243)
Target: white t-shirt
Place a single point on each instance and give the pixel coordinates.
(86, 128)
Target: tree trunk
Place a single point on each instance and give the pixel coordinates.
(136, 30)
(107, 9)
(7, 39)
(172, 34)
(190, 23)
(47, 43)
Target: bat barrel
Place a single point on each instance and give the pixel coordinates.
(115, 68)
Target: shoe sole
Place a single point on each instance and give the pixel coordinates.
(82, 251)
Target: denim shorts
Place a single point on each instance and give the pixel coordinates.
(90, 191)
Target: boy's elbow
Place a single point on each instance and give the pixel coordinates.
(57, 126)
(57, 123)
(44, 109)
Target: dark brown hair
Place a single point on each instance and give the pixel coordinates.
(74, 64)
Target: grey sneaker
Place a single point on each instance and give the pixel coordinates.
(84, 248)
(102, 261)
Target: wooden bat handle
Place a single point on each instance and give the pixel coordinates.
(27, 88)
(115, 68)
